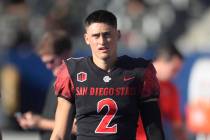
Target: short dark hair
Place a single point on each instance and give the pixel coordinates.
(168, 51)
(54, 42)
(101, 16)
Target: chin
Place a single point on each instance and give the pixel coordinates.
(106, 57)
(103, 56)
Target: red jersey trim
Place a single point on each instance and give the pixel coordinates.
(63, 85)
(151, 87)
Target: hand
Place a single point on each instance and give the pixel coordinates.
(74, 127)
(28, 120)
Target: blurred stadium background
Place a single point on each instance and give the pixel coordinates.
(144, 25)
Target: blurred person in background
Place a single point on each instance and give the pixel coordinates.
(52, 49)
(16, 49)
(16, 74)
(198, 101)
(168, 62)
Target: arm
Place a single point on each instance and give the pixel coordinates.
(149, 107)
(151, 119)
(74, 127)
(61, 119)
(65, 109)
(30, 120)
(46, 124)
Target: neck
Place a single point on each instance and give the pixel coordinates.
(105, 65)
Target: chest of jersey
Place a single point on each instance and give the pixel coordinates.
(93, 87)
(106, 102)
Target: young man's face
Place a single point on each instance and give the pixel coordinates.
(102, 39)
(52, 62)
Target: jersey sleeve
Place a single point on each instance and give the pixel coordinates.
(63, 84)
(150, 87)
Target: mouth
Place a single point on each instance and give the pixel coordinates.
(104, 48)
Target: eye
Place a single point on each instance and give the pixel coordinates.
(96, 35)
(107, 34)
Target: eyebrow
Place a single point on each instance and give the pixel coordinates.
(103, 33)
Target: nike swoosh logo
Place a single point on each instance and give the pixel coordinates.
(128, 78)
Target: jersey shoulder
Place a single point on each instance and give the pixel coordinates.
(132, 63)
(76, 59)
(74, 63)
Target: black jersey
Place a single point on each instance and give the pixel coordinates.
(107, 103)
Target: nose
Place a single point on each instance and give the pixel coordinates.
(102, 39)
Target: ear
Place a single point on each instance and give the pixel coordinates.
(86, 39)
(119, 34)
